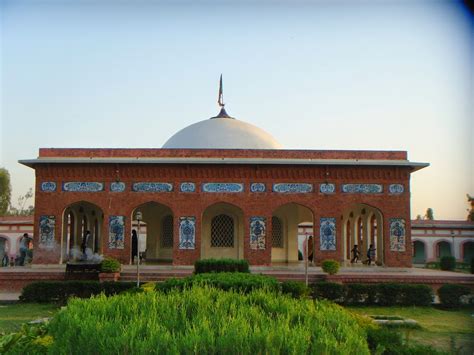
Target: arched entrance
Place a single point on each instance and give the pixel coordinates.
(222, 232)
(468, 251)
(155, 241)
(362, 226)
(443, 248)
(286, 241)
(419, 253)
(78, 218)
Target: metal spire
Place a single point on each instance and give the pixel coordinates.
(220, 102)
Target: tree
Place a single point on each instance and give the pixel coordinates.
(429, 214)
(22, 210)
(5, 191)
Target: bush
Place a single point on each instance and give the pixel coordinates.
(204, 320)
(388, 294)
(329, 290)
(330, 266)
(450, 295)
(296, 289)
(447, 263)
(110, 265)
(220, 265)
(239, 282)
(416, 295)
(360, 294)
(61, 291)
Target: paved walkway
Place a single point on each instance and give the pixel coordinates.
(9, 296)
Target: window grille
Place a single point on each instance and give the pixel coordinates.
(222, 232)
(277, 232)
(167, 232)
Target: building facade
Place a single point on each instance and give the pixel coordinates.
(222, 188)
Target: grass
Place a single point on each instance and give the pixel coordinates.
(13, 315)
(442, 329)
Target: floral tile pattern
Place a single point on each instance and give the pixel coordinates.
(48, 186)
(327, 233)
(46, 229)
(187, 187)
(231, 187)
(77, 186)
(116, 232)
(257, 187)
(152, 187)
(362, 188)
(292, 188)
(327, 188)
(117, 187)
(397, 234)
(396, 189)
(258, 231)
(187, 232)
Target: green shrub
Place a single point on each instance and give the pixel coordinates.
(447, 263)
(240, 282)
(361, 294)
(329, 290)
(416, 295)
(110, 265)
(203, 320)
(30, 339)
(220, 265)
(61, 291)
(432, 265)
(330, 266)
(381, 339)
(450, 295)
(388, 293)
(296, 289)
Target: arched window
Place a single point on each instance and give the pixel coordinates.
(222, 232)
(167, 232)
(277, 233)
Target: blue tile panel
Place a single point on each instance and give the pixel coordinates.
(187, 232)
(222, 187)
(396, 189)
(187, 187)
(258, 231)
(327, 188)
(327, 233)
(46, 230)
(397, 234)
(77, 186)
(116, 232)
(362, 188)
(292, 188)
(48, 186)
(152, 187)
(257, 187)
(117, 187)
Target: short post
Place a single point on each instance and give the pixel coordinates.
(306, 260)
(138, 217)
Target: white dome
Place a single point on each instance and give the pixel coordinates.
(222, 133)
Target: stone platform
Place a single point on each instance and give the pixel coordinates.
(13, 279)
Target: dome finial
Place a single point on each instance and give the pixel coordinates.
(220, 102)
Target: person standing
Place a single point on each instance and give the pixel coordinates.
(370, 254)
(85, 242)
(134, 245)
(355, 254)
(310, 249)
(24, 244)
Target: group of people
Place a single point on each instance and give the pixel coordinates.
(25, 253)
(370, 254)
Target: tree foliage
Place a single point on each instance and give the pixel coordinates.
(429, 214)
(5, 191)
(22, 210)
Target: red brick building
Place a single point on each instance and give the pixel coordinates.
(222, 188)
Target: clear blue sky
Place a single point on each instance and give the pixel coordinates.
(315, 74)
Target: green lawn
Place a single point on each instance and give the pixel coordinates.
(13, 315)
(438, 326)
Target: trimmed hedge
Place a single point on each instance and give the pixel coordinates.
(61, 291)
(110, 265)
(227, 281)
(296, 289)
(220, 265)
(447, 263)
(382, 294)
(450, 295)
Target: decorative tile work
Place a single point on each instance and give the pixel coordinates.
(327, 188)
(362, 188)
(222, 187)
(292, 188)
(116, 232)
(187, 232)
(257, 187)
(187, 187)
(46, 228)
(117, 187)
(397, 234)
(258, 231)
(48, 186)
(152, 187)
(327, 232)
(396, 189)
(75, 186)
